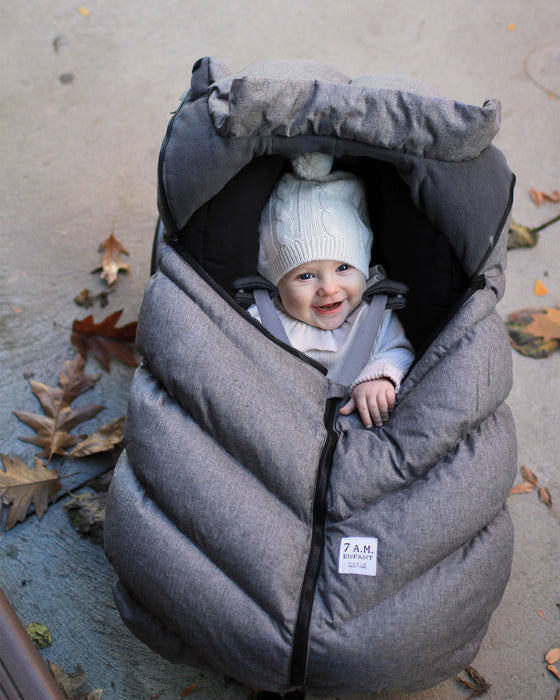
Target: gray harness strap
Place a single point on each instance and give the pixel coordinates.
(360, 351)
(269, 316)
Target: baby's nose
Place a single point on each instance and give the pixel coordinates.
(329, 286)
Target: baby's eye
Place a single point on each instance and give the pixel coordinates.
(305, 276)
(343, 267)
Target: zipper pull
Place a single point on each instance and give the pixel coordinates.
(478, 282)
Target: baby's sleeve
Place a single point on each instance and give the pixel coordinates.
(392, 354)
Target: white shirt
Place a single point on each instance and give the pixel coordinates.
(392, 352)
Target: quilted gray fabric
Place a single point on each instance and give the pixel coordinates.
(239, 479)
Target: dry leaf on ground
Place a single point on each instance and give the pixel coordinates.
(545, 324)
(39, 634)
(524, 487)
(102, 440)
(555, 672)
(540, 289)
(86, 512)
(538, 196)
(86, 299)
(478, 684)
(544, 496)
(553, 656)
(111, 262)
(71, 683)
(529, 476)
(52, 428)
(534, 332)
(104, 339)
(520, 236)
(529, 482)
(21, 486)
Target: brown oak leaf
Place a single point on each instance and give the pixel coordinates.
(21, 486)
(71, 683)
(87, 515)
(111, 262)
(104, 339)
(102, 440)
(52, 428)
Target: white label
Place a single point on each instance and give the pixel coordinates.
(358, 555)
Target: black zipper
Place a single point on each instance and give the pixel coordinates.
(189, 260)
(298, 662)
(498, 234)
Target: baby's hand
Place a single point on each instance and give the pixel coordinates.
(373, 400)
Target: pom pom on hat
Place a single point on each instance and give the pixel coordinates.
(312, 166)
(314, 215)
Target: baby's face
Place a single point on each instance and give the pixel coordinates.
(322, 293)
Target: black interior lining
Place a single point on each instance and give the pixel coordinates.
(222, 236)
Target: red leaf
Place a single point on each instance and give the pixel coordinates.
(105, 339)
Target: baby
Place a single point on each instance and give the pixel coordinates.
(315, 245)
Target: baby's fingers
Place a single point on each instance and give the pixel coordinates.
(348, 408)
(368, 411)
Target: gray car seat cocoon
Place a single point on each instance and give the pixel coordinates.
(240, 480)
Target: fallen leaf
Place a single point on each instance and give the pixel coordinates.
(39, 634)
(71, 683)
(188, 690)
(529, 476)
(541, 614)
(111, 262)
(521, 488)
(21, 486)
(478, 684)
(539, 289)
(538, 196)
(511, 26)
(52, 428)
(83, 11)
(544, 496)
(104, 339)
(526, 336)
(554, 671)
(102, 440)
(545, 325)
(85, 299)
(86, 512)
(520, 236)
(553, 656)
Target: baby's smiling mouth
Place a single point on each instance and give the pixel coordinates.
(326, 308)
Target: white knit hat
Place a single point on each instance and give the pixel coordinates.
(321, 217)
